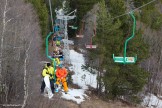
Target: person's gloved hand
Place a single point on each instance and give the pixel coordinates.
(50, 75)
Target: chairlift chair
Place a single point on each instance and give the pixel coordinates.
(94, 34)
(74, 27)
(80, 35)
(91, 46)
(125, 59)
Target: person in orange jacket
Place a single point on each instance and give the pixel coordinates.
(61, 74)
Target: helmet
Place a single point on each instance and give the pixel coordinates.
(48, 64)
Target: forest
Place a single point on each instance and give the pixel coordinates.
(22, 40)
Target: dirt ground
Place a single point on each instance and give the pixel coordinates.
(95, 102)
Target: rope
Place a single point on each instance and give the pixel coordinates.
(135, 9)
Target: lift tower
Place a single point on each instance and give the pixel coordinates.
(65, 19)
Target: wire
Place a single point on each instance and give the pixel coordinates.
(51, 14)
(135, 9)
(129, 11)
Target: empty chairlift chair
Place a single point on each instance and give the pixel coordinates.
(91, 46)
(125, 59)
(74, 27)
(80, 35)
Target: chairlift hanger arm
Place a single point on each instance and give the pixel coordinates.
(133, 32)
(72, 12)
(125, 59)
(47, 54)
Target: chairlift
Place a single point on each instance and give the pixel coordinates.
(80, 35)
(125, 59)
(70, 26)
(91, 46)
(74, 27)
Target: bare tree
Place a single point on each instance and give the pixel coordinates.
(18, 26)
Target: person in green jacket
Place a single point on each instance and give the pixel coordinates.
(48, 71)
(56, 60)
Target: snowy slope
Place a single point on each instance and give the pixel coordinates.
(76, 95)
(81, 78)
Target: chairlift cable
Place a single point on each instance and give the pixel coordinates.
(135, 9)
(51, 15)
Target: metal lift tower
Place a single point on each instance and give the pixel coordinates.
(65, 18)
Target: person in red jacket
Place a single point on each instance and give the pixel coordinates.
(61, 74)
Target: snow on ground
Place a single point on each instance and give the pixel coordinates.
(81, 78)
(75, 95)
(152, 101)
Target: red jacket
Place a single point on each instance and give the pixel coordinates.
(61, 72)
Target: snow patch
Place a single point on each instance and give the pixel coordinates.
(76, 95)
(152, 101)
(81, 78)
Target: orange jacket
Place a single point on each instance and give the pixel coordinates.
(61, 72)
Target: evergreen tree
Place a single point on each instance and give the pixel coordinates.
(150, 15)
(82, 6)
(119, 80)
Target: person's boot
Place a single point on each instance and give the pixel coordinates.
(56, 88)
(66, 92)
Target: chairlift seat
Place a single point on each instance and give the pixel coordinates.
(124, 60)
(80, 36)
(73, 27)
(91, 46)
(70, 26)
